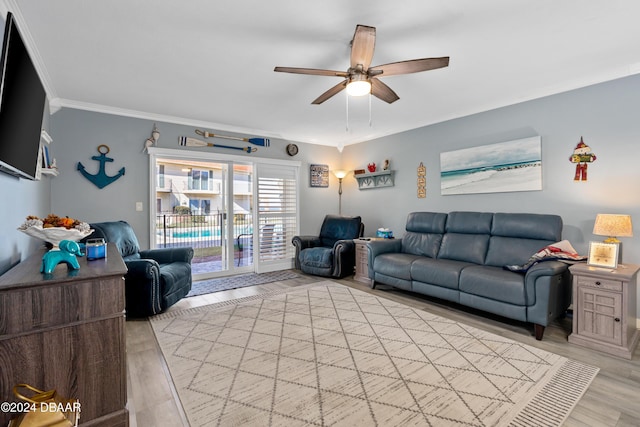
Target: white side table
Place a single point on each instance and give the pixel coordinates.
(604, 308)
(362, 260)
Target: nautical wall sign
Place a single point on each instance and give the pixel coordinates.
(422, 181)
(101, 179)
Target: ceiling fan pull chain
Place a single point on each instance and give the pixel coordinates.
(347, 111)
(369, 109)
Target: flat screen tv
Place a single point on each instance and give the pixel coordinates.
(22, 102)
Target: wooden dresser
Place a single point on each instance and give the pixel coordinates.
(65, 331)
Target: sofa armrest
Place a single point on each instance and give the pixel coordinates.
(344, 257)
(142, 288)
(344, 245)
(303, 242)
(379, 247)
(168, 255)
(546, 268)
(548, 291)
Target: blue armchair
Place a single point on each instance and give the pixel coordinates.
(156, 278)
(332, 253)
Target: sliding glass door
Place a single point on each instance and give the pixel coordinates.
(238, 216)
(206, 205)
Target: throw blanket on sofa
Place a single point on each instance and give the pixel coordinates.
(559, 251)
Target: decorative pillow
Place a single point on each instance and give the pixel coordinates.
(559, 251)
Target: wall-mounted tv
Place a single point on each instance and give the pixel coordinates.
(22, 103)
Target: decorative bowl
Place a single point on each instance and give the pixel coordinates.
(55, 235)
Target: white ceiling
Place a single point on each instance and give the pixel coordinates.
(210, 63)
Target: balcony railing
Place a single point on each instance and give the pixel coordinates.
(204, 233)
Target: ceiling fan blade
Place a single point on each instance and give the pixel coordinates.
(312, 71)
(328, 94)
(382, 91)
(411, 66)
(362, 46)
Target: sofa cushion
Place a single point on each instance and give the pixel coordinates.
(527, 226)
(467, 236)
(425, 244)
(493, 283)
(118, 232)
(395, 265)
(469, 222)
(441, 272)
(426, 222)
(336, 228)
(464, 247)
(319, 257)
(424, 233)
(174, 278)
(517, 236)
(512, 251)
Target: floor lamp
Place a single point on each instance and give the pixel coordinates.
(340, 174)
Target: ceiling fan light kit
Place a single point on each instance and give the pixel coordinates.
(359, 86)
(362, 79)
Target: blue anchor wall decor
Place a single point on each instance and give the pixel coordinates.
(100, 179)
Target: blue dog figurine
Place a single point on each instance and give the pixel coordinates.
(67, 253)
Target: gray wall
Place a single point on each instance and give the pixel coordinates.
(606, 115)
(77, 134)
(20, 198)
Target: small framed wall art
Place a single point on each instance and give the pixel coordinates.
(603, 254)
(319, 175)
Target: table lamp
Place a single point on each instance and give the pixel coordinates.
(613, 226)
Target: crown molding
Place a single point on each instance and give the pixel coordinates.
(59, 103)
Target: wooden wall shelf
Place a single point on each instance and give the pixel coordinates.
(45, 161)
(375, 179)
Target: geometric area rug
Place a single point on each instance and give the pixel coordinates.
(328, 355)
(210, 286)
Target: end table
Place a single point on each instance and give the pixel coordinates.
(604, 308)
(362, 259)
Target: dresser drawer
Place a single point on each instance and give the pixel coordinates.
(611, 285)
(362, 252)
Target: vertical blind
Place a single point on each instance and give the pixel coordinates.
(277, 215)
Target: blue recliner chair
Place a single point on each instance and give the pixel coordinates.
(332, 253)
(156, 278)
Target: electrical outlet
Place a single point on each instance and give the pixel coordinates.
(139, 206)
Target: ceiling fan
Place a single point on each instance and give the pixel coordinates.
(360, 78)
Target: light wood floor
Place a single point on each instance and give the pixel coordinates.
(613, 399)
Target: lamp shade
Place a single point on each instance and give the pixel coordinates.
(340, 173)
(613, 225)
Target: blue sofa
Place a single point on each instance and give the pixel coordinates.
(461, 257)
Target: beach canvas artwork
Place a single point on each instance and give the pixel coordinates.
(495, 168)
